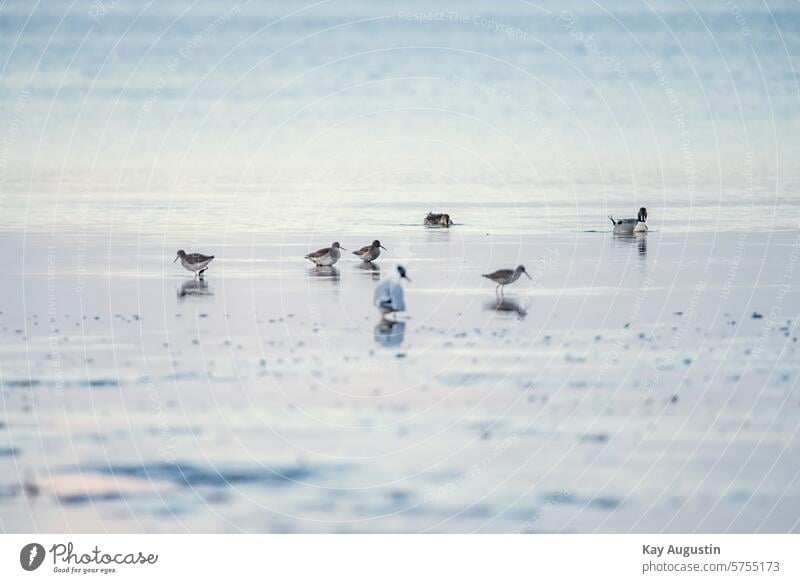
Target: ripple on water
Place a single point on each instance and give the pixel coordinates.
(37, 383)
(597, 502)
(191, 475)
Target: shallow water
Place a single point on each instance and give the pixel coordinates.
(637, 384)
(628, 388)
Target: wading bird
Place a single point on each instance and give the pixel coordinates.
(370, 252)
(504, 277)
(327, 256)
(196, 262)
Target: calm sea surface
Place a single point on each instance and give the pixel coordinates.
(288, 116)
(636, 384)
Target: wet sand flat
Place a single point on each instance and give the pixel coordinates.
(644, 384)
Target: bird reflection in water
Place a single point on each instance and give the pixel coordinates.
(330, 273)
(195, 288)
(390, 333)
(373, 269)
(642, 241)
(508, 306)
(627, 241)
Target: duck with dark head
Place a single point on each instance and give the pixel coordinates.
(629, 227)
(438, 220)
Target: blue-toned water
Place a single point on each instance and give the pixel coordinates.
(635, 384)
(275, 114)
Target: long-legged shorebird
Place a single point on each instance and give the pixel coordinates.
(389, 296)
(370, 252)
(327, 256)
(196, 262)
(504, 277)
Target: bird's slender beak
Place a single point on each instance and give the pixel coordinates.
(529, 277)
(342, 248)
(384, 248)
(407, 278)
(176, 258)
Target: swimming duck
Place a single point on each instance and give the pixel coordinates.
(630, 226)
(438, 220)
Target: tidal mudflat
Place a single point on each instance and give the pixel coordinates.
(641, 384)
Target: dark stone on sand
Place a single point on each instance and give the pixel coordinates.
(756, 316)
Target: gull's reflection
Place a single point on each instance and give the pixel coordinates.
(330, 273)
(390, 333)
(507, 305)
(372, 268)
(195, 288)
